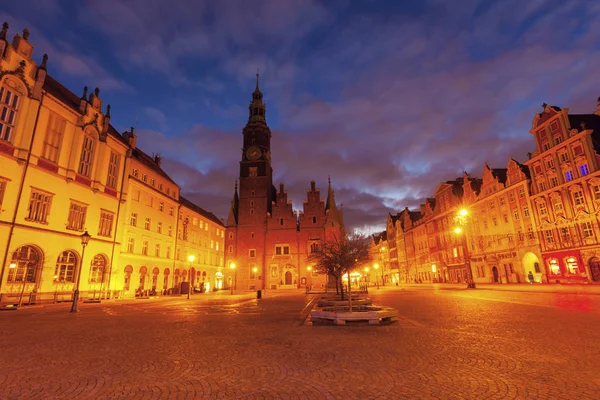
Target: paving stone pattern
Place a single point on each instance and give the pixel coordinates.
(449, 344)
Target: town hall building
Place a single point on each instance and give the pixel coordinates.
(267, 242)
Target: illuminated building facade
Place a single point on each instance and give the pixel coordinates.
(566, 192)
(65, 170)
(267, 241)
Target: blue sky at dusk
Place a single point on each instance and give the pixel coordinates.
(389, 98)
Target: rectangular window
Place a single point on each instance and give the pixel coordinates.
(542, 186)
(113, 170)
(106, 222)
(549, 163)
(160, 187)
(171, 211)
(152, 183)
(177, 253)
(557, 204)
(516, 214)
(147, 222)
(144, 177)
(157, 250)
(145, 247)
(252, 171)
(549, 236)
(587, 229)
(168, 253)
(252, 253)
(502, 201)
(54, 133)
(9, 103)
(39, 206)
(564, 157)
(526, 211)
(554, 181)
(569, 175)
(136, 195)
(578, 197)
(87, 156)
(278, 250)
(595, 189)
(521, 193)
(135, 172)
(133, 219)
(76, 219)
(131, 245)
(161, 206)
(170, 230)
(542, 208)
(583, 169)
(150, 201)
(565, 235)
(159, 227)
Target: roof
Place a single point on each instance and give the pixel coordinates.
(186, 203)
(500, 173)
(150, 163)
(587, 121)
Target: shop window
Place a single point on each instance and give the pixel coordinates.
(554, 268)
(572, 266)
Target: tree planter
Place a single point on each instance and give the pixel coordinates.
(340, 315)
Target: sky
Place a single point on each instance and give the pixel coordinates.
(388, 98)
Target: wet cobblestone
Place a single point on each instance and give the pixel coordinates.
(448, 344)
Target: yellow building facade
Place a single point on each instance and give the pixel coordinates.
(64, 170)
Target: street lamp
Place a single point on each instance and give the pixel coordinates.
(461, 219)
(13, 266)
(232, 266)
(191, 259)
(376, 266)
(85, 239)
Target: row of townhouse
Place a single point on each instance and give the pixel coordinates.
(537, 220)
(65, 170)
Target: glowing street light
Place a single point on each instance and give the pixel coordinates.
(191, 259)
(461, 219)
(85, 239)
(232, 266)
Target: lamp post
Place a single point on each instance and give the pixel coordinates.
(232, 266)
(13, 266)
(461, 219)
(191, 259)
(382, 258)
(85, 239)
(309, 281)
(376, 266)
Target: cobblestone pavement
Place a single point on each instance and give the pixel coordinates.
(448, 344)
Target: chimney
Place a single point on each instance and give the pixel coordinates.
(157, 159)
(131, 138)
(312, 185)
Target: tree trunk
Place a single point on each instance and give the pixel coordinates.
(349, 292)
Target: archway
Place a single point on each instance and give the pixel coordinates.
(495, 274)
(595, 269)
(288, 277)
(531, 263)
(25, 267)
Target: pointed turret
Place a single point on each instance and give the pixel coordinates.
(232, 218)
(257, 109)
(334, 216)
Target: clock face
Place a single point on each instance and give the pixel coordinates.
(253, 153)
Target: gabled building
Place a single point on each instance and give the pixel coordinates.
(267, 242)
(565, 192)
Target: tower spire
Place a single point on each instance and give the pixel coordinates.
(257, 108)
(257, 75)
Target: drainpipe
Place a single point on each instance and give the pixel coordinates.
(20, 192)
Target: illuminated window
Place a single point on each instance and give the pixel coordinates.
(9, 104)
(65, 267)
(106, 222)
(572, 266)
(554, 267)
(583, 169)
(145, 247)
(147, 223)
(253, 172)
(87, 155)
(77, 213)
(27, 261)
(98, 268)
(557, 204)
(569, 176)
(159, 227)
(54, 134)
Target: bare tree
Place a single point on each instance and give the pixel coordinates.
(339, 254)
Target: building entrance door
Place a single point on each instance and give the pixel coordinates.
(495, 273)
(595, 269)
(288, 277)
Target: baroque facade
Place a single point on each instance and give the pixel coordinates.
(65, 170)
(536, 221)
(268, 243)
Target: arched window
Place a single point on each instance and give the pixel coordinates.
(166, 278)
(9, 107)
(98, 268)
(155, 272)
(143, 273)
(87, 154)
(65, 267)
(176, 278)
(24, 264)
(127, 277)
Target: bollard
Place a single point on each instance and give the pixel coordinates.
(259, 294)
